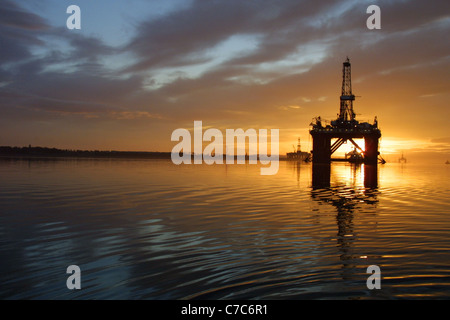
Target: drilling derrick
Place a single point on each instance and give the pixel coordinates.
(345, 128)
(346, 113)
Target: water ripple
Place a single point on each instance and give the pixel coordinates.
(151, 230)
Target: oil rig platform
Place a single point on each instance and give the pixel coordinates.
(345, 128)
(298, 155)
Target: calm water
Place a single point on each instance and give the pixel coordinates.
(147, 229)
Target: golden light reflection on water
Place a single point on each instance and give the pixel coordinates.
(348, 175)
(226, 231)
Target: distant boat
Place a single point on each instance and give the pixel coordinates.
(354, 156)
(447, 162)
(402, 159)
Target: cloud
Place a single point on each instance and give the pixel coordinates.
(18, 30)
(12, 15)
(230, 63)
(184, 37)
(445, 140)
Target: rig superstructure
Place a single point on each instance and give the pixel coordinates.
(345, 128)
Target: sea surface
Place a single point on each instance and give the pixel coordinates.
(148, 229)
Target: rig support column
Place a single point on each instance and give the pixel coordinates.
(371, 152)
(321, 149)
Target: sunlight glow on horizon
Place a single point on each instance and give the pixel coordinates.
(138, 70)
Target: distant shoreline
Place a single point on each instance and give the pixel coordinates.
(45, 152)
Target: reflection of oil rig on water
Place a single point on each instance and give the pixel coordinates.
(345, 128)
(298, 155)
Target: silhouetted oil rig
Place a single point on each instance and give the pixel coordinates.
(402, 159)
(344, 128)
(298, 155)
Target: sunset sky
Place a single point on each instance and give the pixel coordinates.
(139, 69)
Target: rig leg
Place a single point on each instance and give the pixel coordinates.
(321, 149)
(371, 153)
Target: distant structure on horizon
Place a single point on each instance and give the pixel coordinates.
(402, 159)
(298, 155)
(354, 156)
(345, 128)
